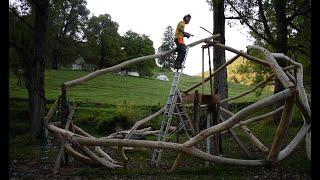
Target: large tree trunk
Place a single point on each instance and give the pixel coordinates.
(220, 81)
(281, 47)
(36, 82)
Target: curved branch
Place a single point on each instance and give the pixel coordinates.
(129, 62)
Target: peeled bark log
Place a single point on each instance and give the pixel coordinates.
(277, 70)
(282, 128)
(129, 62)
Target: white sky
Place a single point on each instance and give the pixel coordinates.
(152, 17)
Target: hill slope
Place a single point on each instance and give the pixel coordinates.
(115, 89)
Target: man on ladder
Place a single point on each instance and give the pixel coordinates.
(178, 39)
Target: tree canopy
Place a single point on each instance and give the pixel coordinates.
(103, 41)
(136, 45)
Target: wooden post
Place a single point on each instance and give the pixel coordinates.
(64, 112)
(196, 111)
(214, 108)
(208, 144)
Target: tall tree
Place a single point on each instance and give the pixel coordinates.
(67, 20)
(34, 16)
(220, 81)
(20, 43)
(166, 62)
(281, 26)
(104, 41)
(136, 45)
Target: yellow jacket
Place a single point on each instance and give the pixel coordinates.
(179, 30)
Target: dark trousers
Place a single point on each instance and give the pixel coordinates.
(181, 49)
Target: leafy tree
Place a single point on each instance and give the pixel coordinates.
(136, 45)
(166, 62)
(281, 26)
(36, 13)
(20, 43)
(67, 19)
(103, 41)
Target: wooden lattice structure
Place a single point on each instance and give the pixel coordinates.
(76, 142)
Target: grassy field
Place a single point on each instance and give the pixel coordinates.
(115, 89)
(113, 102)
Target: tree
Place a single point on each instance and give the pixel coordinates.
(220, 81)
(103, 40)
(166, 62)
(136, 45)
(67, 20)
(281, 26)
(34, 67)
(20, 43)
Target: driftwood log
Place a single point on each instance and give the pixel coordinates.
(87, 149)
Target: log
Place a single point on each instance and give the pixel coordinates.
(308, 144)
(282, 56)
(91, 141)
(140, 122)
(196, 111)
(97, 73)
(177, 162)
(78, 156)
(241, 53)
(51, 112)
(294, 143)
(249, 134)
(238, 116)
(238, 141)
(303, 103)
(97, 148)
(212, 75)
(258, 118)
(282, 128)
(103, 162)
(277, 70)
(62, 146)
(270, 78)
(255, 140)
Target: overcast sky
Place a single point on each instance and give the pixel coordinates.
(152, 17)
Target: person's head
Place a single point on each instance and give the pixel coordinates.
(187, 18)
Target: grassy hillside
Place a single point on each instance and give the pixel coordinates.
(114, 89)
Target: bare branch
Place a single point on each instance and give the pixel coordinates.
(247, 23)
(265, 23)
